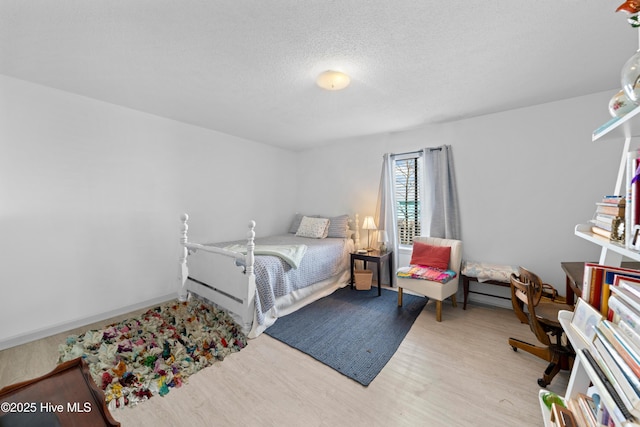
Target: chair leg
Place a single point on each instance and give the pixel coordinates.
(541, 352)
(454, 302)
(439, 311)
(551, 371)
(399, 296)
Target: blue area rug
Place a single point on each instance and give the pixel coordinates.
(354, 332)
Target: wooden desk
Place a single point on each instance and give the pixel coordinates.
(67, 396)
(575, 274)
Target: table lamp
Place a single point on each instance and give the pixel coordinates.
(383, 238)
(368, 225)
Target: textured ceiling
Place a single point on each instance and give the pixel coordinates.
(247, 68)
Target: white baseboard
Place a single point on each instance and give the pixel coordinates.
(488, 301)
(66, 326)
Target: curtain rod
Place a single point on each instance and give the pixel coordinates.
(417, 152)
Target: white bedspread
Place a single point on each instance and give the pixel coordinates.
(292, 254)
(275, 278)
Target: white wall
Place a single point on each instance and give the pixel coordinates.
(90, 194)
(90, 199)
(525, 178)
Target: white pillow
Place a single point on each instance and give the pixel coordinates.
(315, 228)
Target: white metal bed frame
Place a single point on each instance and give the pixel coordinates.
(231, 281)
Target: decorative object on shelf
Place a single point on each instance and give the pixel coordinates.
(369, 225)
(617, 230)
(584, 319)
(549, 398)
(619, 105)
(383, 238)
(630, 75)
(635, 241)
(632, 7)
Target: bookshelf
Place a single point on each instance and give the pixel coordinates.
(612, 253)
(582, 374)
(618, 127)
(580, 378)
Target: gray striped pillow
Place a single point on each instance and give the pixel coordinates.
(339, 226)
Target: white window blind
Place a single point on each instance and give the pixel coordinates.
(407, 171)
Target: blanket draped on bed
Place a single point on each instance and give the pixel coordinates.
(323, 259)
(292, 254)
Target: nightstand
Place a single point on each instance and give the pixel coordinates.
(379, 259)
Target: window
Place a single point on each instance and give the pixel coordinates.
(408, 171)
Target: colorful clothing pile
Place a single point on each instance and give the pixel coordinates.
(426, 273)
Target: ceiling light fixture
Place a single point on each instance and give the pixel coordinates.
(333, 80)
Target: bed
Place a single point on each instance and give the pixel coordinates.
(258, 280)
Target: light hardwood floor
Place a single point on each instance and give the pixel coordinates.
(460, 372)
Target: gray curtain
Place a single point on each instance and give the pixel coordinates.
(441, 193)
(385, 217)
(441, 214)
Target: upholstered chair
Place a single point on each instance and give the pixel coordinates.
(434, 289)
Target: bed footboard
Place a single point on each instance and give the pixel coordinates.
(224, 277)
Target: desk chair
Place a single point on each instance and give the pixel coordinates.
(542, 316)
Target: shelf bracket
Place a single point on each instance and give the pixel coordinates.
(608, 257)
(621, 170)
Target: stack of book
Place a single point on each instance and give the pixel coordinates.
(597, 283)
(614, 354)
(584, 410)
(607, 210)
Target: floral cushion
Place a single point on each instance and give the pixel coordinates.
(426, 273)
(484, 271)
(316, 228)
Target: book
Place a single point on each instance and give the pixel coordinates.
(623, 380)
(600, 279)
(626, 296)
(587, 409)
(592, 283)
(574, 407)
(610, 209)
(632, 211)
(601, 232)
(629, 332)
(561, 416)
(586, 280)
(620, 411)
(601, 224)
(627, 351)
(632, 284)
(595, 288)
(620, 311)
(618, 200)
(605, 218)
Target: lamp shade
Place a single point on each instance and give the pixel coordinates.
(382, 236)
(368, 223)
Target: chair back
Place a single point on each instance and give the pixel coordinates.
(455, 259)
(526, 291)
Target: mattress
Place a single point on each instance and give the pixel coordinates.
(324, 259)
